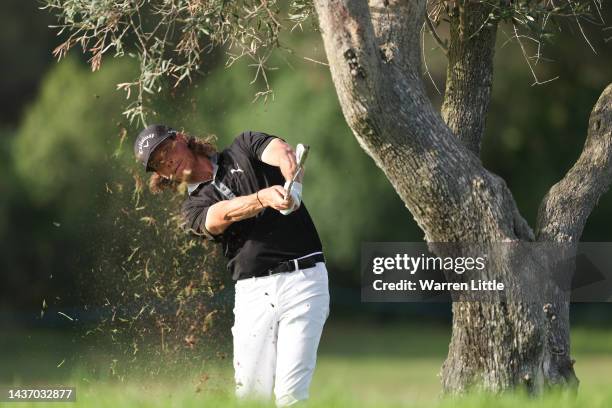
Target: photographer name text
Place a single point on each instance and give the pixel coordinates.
(433, 286)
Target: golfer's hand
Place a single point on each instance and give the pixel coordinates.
(287, 162)
(274, 197)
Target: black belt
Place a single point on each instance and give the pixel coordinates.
(290, 265)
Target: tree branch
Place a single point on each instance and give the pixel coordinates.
(435, 35)
(469, 74)
(567, 206)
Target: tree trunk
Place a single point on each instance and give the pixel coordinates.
(374, 57)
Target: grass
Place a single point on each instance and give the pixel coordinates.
(360, 365)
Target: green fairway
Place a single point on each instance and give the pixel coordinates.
(360, 365)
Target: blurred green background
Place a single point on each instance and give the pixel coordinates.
(67, 176)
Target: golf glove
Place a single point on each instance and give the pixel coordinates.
(296, 194)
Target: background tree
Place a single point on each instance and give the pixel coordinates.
(432, 160)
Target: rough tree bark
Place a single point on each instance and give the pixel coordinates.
(561, 218)
(374, 57)
(469, 75)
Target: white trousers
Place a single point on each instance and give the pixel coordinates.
(278, 321)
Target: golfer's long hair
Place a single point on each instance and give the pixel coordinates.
(199, 146)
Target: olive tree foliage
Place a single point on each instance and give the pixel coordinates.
(432, 159)
(171, 38)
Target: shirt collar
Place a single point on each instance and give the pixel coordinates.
(191, 187)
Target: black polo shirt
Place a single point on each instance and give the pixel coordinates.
(255, 244)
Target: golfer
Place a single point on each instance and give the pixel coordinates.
(237, 197)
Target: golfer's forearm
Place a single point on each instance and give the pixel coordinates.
(280, 154)
(287, 164)
(243, 207)
(222, 214)
(285, 157)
